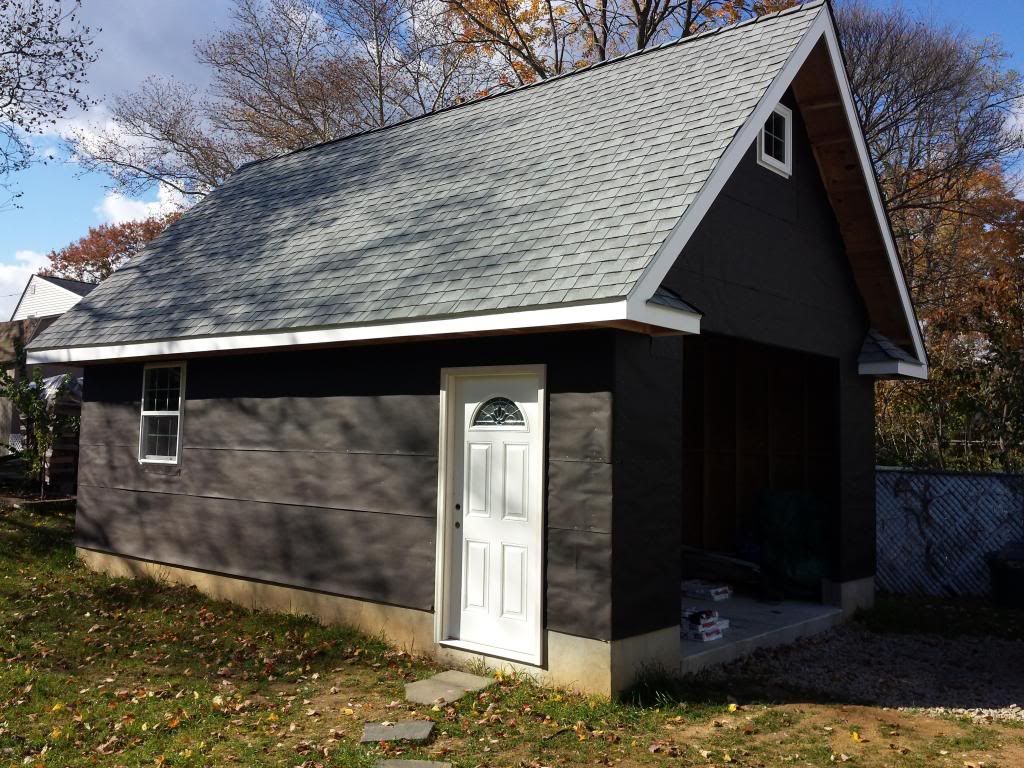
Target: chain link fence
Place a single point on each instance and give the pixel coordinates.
(937, 530)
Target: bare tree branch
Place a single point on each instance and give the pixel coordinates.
(44, 54)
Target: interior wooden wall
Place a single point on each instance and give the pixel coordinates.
(755, 418)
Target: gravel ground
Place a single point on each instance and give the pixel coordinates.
(977, 677)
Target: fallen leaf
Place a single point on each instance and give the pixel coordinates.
(661, 747)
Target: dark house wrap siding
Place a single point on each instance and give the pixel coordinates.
(648, 483)
(767, 264)
(318, 469)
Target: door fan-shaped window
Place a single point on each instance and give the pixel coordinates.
(499, 412)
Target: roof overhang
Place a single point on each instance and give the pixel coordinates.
(817, 52)
(881, 358)
(639, 316)
(894, 369)
(641, 310)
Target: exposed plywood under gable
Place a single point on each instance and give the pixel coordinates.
(818, 97)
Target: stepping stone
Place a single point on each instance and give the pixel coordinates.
(450, 686)
(404, 730)
(411, 764)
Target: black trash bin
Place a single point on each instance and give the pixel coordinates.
(1008, 576)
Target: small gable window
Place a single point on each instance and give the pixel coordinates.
(499, 412)
(775, 142)
(163, 389)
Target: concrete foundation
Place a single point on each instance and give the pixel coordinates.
(579, 663)
(849, 596)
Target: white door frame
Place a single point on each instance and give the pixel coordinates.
(445, 461)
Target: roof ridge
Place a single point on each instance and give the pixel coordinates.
(681, 40)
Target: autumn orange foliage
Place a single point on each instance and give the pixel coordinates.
(105, 248)
(970, 414)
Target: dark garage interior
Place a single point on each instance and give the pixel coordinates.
(760, 465)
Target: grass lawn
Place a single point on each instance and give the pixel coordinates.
(98, 671)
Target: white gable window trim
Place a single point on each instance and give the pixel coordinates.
(821, 29)
(163, 398)
(776, 138)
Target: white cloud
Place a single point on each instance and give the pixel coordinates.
(14, 276)
(115, 208)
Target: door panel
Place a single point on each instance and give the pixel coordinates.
(495, 516)
(517, 481)
(476, 576)
(513, 588)
(479, 479)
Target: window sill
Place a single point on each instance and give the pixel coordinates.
(777, 168)
(160, 467)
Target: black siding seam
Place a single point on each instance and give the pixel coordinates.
(255, 501)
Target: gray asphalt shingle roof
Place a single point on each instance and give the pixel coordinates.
(878, 349)
(554, 193)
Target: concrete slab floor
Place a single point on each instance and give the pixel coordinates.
(753, 625)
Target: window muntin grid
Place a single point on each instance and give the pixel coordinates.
(160, 429)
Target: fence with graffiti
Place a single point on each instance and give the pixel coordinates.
(937, 530)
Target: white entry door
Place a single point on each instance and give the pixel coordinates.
(494, 536)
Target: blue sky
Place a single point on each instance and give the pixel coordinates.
(138, 38)
(154, 37)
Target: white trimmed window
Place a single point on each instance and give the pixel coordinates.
(775, 141)
(163, 391)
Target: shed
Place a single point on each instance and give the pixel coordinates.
(492, 381)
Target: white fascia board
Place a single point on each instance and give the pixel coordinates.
(680, 235)
(677, 239)
(900, 368)
(664, 317)
(868, 169)
(579, 314)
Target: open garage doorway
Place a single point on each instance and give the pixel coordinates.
(760, 481)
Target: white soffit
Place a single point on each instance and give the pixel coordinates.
(594, 314)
